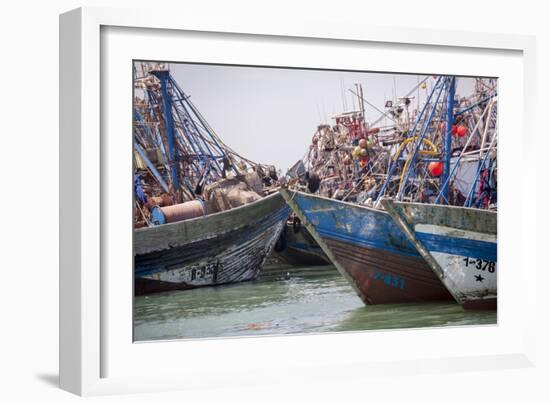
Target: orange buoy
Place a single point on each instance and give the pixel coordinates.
(435, 168)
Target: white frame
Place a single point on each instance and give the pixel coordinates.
(81, 306)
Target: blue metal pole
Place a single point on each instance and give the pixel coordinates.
(448, 138)
(190, 136)
(155, 136)
(418, 144)
(163, 76)
(139, 122)
(183, 99)
(393, 165)
(196, 133)
(481, 165)
(159, 142)
(151, 166)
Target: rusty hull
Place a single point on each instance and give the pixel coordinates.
(368, 249)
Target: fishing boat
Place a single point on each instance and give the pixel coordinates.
(296, 246)
(442, 152)
(368, 249)
(458, 243)
(226, 247)
(203, 214)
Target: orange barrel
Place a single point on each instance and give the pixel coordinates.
(178, 212)
(163, 200)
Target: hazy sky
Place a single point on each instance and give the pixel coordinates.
(269, 115)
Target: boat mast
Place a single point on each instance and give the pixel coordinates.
(163, 75)
(448, 139)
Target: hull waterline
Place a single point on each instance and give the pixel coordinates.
(222, 248)
(459, 244)
(369, 250)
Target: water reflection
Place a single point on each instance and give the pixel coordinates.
(322, 302)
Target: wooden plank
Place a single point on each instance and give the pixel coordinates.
(147, 240)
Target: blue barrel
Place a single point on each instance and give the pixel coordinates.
(157, 216)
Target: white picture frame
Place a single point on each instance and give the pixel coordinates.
(96, 355)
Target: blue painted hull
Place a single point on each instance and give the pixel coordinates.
(460, 244)
(369, 249)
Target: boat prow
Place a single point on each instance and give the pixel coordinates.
(221, 248)
(368, 249)
(459, 244)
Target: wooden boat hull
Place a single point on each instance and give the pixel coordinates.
(368, 248)
(460, 244)
(226, 247)
(297, 247)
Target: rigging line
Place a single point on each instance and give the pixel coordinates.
(384, 115)
(368, 103)
(214, 134)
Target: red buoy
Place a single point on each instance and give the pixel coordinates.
(453, 129)
(435, 168)
(461, 131)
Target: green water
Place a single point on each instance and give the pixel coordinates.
(302, 302)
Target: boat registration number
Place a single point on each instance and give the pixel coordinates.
(390, 279)
(201, 272)
(481, 264)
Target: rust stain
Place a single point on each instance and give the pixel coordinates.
(365, 265)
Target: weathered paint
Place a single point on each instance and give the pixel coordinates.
(369, 249)
(440, 238)
(221, 248)
(459, 243)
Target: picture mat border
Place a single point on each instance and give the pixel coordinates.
(121, 45)
(85, 345)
